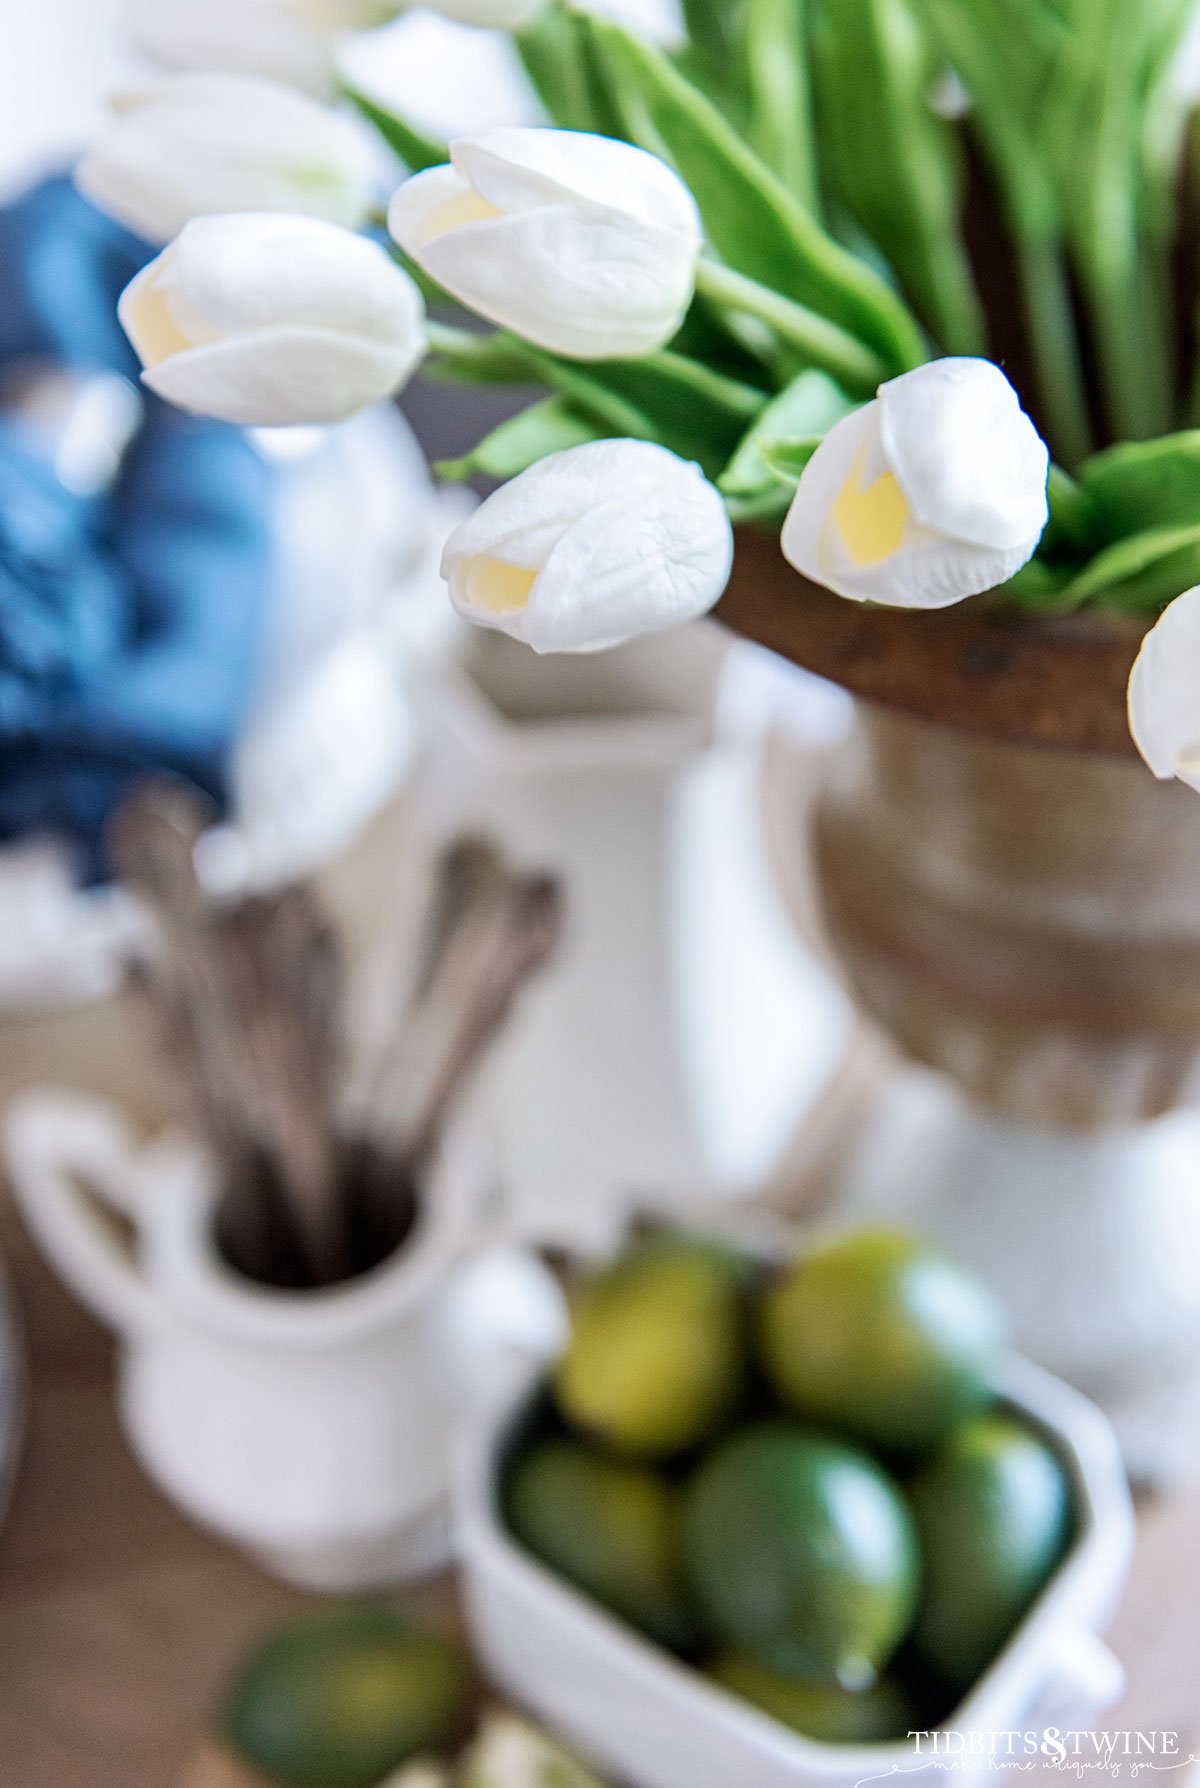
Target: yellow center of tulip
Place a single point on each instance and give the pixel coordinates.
(499, 588)
(870, 517)
(464, 208)
(153, 327)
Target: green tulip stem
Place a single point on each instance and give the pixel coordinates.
(1055, 347)
(823, 343)
(444, 338)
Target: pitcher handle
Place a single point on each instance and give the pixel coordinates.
(506, 1313)
(56, 1144)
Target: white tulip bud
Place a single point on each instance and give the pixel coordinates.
(267, 320)
(933, 492)
(203, 145)
(579, 243)
(287, 40)
(1164, 693)
(592, 546)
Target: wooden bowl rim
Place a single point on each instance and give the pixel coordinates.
(980, 667)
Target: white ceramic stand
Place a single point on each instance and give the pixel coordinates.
(1091, 1238)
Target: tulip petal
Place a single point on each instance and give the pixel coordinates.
(273, 320)
(1164, 692)
(631, 567)
(517, 169)
(807, 532)
(522, 520)
(281, 376)
(581, 244)
(966, 455)
(624, 537)
(927, 569)
(589, 284)
(418, 205)
(934, 571)
(251, 272)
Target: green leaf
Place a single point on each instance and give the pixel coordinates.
(1145, 485)
(1007, 53)
(497, 358)
(765, 506)
(694, 410)
(787, 460)
(1073, 104)
(806, 334)
(513, 446)
(682, 384)
(893, 161)
(589, 393)
(1097, 122)
(750, 218)
(785, 436)
(774, 52)
(1073, 529)
(1143, 571)
(548, 53)
(470, 358)
(1040, 586)
(709, 26)
(690, 408)
(1161, 582)
(415, 150)
(557, 56)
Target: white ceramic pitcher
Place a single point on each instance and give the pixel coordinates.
(312, 1428)
(684, 1031)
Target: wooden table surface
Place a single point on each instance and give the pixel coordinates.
(120, 1622)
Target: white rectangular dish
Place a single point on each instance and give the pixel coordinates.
(651, 1721)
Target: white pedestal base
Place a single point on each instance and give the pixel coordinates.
(1091, 1239)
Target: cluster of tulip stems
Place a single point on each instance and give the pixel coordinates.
(764, 276)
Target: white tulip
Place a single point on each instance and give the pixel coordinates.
(1164, 693)
(268, 320)
(592, 546)
(496, 15)
(288, 40)
(579, 243)
(933, 492)
(202, 145)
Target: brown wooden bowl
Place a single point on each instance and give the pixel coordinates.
(979, 667)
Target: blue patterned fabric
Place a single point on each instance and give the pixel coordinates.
(130, 625)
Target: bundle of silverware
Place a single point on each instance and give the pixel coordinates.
(246, 999)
